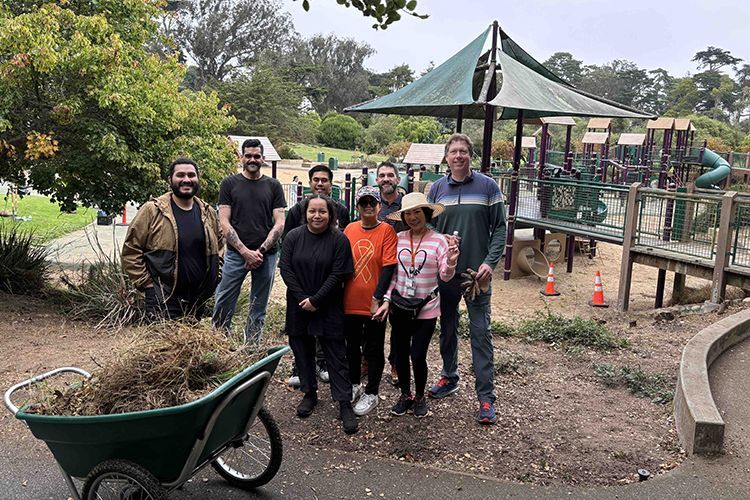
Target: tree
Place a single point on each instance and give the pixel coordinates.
(714, 58)
(566, 67)
(330, 69)
(340, 131)
(384, 83)
(221, 36)
(265, 103)
(380, 133)
(385, 12)
(91, 115)
(620, 81)
(682, 97)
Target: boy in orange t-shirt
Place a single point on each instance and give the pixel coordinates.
(373, 245)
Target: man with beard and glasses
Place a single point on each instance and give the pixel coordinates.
(172, 248)
(251, 212)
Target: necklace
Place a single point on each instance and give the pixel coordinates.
(412, 269)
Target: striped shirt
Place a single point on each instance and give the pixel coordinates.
(430, 263)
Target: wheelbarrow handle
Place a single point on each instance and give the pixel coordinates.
(38, 378)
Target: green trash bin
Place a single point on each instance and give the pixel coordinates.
(333, 163)
(321, 157)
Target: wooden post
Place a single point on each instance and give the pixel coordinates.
(626, 263)
(723, 247)
(273, 168)
(513, 206)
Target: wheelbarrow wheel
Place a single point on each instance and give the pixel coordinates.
(255, 459)
(122, 480)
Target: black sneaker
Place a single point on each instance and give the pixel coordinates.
(420, 407)
(404, 404)
(305, 408)
(348, 418)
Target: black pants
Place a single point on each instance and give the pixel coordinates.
(392, 349)
(361, 330)
(334, 349)
(412, 337)
(182, 303)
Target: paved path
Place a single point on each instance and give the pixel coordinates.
(88, 244)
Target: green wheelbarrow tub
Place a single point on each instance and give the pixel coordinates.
(159, 440)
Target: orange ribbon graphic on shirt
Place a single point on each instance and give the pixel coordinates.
(363, 250)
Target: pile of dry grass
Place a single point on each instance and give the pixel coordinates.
(163, 365)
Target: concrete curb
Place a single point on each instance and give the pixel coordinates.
(699, 423)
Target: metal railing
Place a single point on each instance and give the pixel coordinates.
(577, 207)
(741, 234)
(681, 223)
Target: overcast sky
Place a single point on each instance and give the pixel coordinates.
(651, 33)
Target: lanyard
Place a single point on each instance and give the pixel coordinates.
(414, 252)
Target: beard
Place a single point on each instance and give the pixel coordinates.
(252, 166)
(176, 190)
(387, 188)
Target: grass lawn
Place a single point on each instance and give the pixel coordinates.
(310, 152)
(47, 222)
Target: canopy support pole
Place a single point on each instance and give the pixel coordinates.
(459, 119)
(513, 208)
(489, 110)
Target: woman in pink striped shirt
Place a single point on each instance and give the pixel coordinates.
(423, 256)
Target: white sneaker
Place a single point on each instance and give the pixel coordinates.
(366, 404)
(294, 381)
(357, 391)
(322, 374)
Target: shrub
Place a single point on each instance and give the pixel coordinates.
(104, 293)
(556, 329)
(340, 131)
(287, 152)
(397, 150)
(502, 150)
(501, 329)
(656, 386)
(24, 267)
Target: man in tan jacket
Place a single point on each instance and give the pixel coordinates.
(172, 251)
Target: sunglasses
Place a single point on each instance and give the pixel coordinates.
(253, 156)
(368, 202)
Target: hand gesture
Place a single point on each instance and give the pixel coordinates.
(306, 305)
(382, 311)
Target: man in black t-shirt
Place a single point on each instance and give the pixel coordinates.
(177, 275)
(251, 212)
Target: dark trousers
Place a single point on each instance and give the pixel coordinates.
(361, 330)
(392, 349)
(412, 337)
(183, 302)
(334, 349)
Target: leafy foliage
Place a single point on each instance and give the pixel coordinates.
(24, 266)
(89, 113)
(330, 70)
(657, 387)
(385, 12)
(222, 36)
(577, 331)
(340, 131)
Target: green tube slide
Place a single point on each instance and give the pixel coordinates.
(719, 170)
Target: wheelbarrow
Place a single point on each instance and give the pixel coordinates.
(146, 454)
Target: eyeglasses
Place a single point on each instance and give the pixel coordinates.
(253, 156)
(368, 202)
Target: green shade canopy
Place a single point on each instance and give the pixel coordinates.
(523, 82)
(437, 93)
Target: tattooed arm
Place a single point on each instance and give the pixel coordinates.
(253, 258)
(276, 231)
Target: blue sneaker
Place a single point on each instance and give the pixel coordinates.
(487, 414)
(444, 387)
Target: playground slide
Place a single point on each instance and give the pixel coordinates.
(719, 170)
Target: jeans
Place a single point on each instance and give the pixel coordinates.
(232, 277)
(481, 337)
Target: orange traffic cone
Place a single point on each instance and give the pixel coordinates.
(549, 290)
(598, 299)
